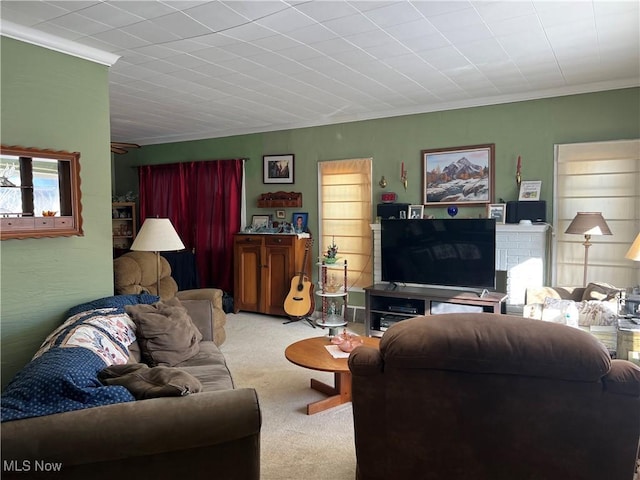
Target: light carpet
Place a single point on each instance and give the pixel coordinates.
(294, 445)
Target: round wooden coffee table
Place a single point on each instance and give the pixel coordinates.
(311, 353)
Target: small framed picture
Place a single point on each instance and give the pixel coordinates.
(280, 214)
(299, 221)
(260, 220)
(416, 211)
(277, 168)
(530, 190)
(497, 211)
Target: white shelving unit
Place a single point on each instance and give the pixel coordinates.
(332, 290)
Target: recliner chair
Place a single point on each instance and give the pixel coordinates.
(485, 396)
(135, 272)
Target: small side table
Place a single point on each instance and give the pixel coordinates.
(629, 340)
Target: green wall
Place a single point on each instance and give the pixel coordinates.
(529, 129)
(52, 100)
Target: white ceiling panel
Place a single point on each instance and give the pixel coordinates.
(198, 69)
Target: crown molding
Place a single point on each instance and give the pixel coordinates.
(52, 42)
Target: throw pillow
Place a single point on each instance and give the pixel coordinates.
(601, 291)
(166, 334)
(560, 311)
(594, 312)
(144, 382)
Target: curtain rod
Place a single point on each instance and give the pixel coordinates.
(178, 163)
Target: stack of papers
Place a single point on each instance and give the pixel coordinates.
(335, 351)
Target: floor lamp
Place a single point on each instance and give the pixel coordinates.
(587, 224)
(157, 235)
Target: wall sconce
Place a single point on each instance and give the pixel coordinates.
(382, 182)
(403, 176)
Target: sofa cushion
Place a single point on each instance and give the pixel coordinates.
(210, 367)
(166, 334)
(145, 382)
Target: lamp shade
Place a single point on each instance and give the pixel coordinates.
(634, 251)
(588, 223)
(157, 235)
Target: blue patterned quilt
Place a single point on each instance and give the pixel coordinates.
(63, 374)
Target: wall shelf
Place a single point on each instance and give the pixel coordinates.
(280, 199)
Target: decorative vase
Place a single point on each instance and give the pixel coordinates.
(452, 211)
(330, 260)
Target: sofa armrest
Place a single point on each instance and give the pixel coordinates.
(218, 318)
(623, 378)
(142, 436)
(538, 294)
(366, 361)
(212, 294)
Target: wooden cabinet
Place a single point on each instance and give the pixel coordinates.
(123, 225)
(264, 265)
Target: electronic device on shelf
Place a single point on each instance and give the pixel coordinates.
(442, 252)
(403, 309)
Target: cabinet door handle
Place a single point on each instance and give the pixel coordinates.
(279, 240)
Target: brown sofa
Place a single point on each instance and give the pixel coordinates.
(489, 397)
(136, 272)
(211, 434)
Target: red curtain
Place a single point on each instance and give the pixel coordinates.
(203, 201)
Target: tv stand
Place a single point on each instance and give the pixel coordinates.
(385, 306)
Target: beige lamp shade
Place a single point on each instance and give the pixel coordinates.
(589, 223)
(634, 251)
(157, 235)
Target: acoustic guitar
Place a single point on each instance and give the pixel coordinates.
(299, 301)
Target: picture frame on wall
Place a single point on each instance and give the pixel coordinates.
(415, 211)
(458, 175)
(280, 214)
(497, 211)
(530, 190)
(299, 221)
(278, 168)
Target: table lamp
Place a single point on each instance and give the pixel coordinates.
(634, 250)
(157, 235)
(587, 224)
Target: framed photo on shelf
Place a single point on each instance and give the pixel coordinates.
(299, 221)
(277, 168)
(415, 211)
(497, 211)
(260, 220)
(279, 214)
(459, 175)
(530, 190)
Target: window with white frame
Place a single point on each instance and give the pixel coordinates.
(344, 200)
(597, 177)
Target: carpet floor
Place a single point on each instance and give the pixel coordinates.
(294, 445)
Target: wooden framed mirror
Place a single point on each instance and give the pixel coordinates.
(39, 193)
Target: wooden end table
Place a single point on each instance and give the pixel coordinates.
(311, 353)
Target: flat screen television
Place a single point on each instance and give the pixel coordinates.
(439, 252)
